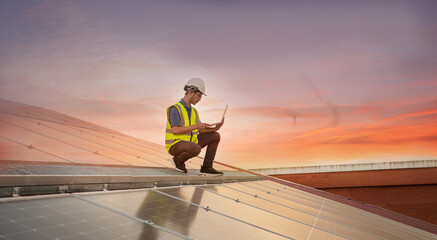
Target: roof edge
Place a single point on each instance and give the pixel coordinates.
(348, 167)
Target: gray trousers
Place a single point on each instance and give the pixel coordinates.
(182, 151)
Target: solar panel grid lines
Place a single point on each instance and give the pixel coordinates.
(65, 217)
(98, 143)
(135, 141)
(290, 191)
(400, 231)
(406, 223)
(155, 154)
(260, 218)
(342, 223)
(36, 148)
(64, 119)
(28, 111)
(274, 213)
(334, 218)
(294, 199)
(296, 211)
(136, 156)
(115, 149)
(367, 221)
(50, 115)
(293, 208)
(130, 216)
(361, 226)
(179, 216)
(207, 208)
(268, 200)
(58, 118)
(140, 202)
(293, 194)
(317, 218)
(66, 143)
(112, 137)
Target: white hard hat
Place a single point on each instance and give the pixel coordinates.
(195, 84)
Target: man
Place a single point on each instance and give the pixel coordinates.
(185, 135)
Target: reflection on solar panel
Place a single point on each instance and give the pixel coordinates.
(67, 217)
(43, 152)
(220, 211)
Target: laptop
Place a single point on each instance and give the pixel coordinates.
(223, 117)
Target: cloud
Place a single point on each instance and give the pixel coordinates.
(414, 114)
(363, 133)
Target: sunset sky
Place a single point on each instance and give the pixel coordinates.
(307, 82)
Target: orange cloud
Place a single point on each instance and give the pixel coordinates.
(362, 137)
(415, 114)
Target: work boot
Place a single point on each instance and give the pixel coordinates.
(178, 165)
(209, 171)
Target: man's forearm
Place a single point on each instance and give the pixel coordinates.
(183, 130)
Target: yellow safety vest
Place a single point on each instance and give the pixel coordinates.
(170, 138)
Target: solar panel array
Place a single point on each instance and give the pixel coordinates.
(249, 210)
(40, 143)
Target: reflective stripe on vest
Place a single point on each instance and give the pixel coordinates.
(170, 138)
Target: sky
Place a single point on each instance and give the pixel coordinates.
(307, 82)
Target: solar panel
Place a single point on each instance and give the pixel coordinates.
(351, 217)
(260, 213)
(207, 211)
(67, 217)
(198, 212)
(184, 217)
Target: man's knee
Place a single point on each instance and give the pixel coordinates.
(196, 149)
(190, 148)
(216, 136)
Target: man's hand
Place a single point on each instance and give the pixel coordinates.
(218, 126)
(202, 126)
